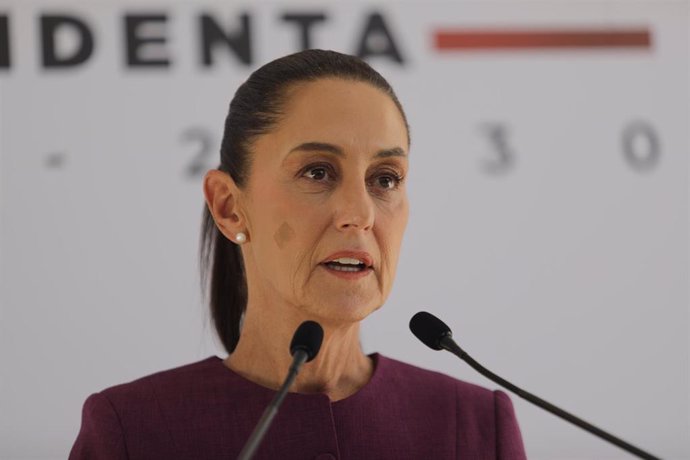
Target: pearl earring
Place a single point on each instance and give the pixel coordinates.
(240, 238)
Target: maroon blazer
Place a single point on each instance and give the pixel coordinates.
(206, 411)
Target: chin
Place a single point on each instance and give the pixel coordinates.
(346, 309)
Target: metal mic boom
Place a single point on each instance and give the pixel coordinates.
(435, 334)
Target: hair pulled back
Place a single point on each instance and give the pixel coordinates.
(254, 110)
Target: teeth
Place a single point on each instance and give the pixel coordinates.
(347, 261)
(344, 269)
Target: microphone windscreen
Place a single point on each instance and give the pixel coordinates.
(429, 329)
(308, 337)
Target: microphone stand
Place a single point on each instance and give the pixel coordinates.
(448, 344)
(299, 358)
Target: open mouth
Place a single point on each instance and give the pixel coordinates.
(346, 264)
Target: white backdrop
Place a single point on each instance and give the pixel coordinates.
(549, 192)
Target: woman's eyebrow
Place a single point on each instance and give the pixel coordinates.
(319, 147)
(334, 149)
(394, 152)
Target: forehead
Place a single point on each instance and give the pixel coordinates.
(355, 116)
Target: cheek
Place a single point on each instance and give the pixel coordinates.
(293, 233)
(392, 223)
(283, 235)
(393, 218)
(295, 224)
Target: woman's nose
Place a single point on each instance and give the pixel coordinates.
(355, 208)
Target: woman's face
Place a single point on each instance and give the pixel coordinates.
(325, 203)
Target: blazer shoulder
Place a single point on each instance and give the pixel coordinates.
(129, 418)
(179, 378)
(433, 380)
(485, 419)
(101, 434)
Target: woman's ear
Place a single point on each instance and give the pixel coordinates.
(222, 198)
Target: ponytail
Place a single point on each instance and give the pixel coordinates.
(227, 286)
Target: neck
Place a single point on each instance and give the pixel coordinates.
(262, 356)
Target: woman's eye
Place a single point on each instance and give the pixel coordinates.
(387, 181)
(318, 173)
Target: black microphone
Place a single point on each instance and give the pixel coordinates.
(304, 347)
(435, 334)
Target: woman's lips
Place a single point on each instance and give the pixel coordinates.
(362, 256)
(348, 275)
(348, 270)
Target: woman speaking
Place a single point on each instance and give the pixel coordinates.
(304, 221)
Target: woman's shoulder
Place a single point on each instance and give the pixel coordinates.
(174, 379)
(436, 388)
(145, 411)
(414, 376)
(484, 417)
(198, 381)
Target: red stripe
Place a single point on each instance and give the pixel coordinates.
(534, 39)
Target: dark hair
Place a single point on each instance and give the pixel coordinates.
(256, 108)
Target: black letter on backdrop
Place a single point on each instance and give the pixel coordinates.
(135, 41)
(377, 40)
(304, 21)
(204, 154)
(641, 146)
(49, 25)
(238, 41)
(4, 43)
(504, 161)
